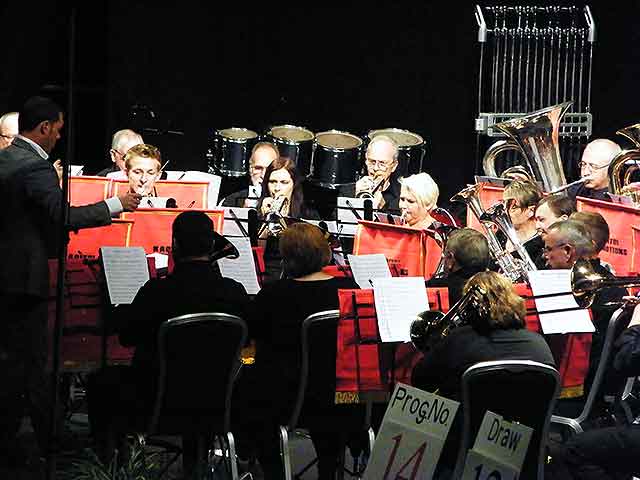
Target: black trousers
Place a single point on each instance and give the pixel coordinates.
(24, 384)
(602, 454)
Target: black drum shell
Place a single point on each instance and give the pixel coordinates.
(333, 167)
(231, 155)
(410, 157)
(300, 153)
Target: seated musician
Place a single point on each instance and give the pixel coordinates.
(594, 170)
(598, 228)
(566, 242)
(498, 335)
(124, 394)
(520, 199)
(465, 254)
(121, 142)
(266, 392)
(381, 161)
(262, 155)
(418, 197)
(551, 209)
(605, 453)
(281, 203)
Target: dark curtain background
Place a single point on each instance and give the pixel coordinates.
(355, 67)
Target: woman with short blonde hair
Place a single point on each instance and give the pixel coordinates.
(418, 197)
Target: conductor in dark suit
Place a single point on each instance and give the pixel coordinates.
(31, 198)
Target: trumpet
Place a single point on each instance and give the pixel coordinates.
(432, 326)
(372, 187)
(273, 220)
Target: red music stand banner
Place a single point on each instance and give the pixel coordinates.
(488, 195)
(410, 252)
(86, 242)
(360, 361)
(188, 195)
(570, 351)
(620, 218)
(152, 227)
(634, 268)
(88, 190)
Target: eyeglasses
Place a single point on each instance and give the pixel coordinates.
(547, 249)
(592, 166)
(8, 137)
(379, 163)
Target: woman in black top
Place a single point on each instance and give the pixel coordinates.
(498, 335)
(281, 203)
(271, 384)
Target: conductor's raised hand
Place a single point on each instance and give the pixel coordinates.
(130, 201)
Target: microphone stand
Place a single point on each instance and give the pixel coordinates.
(63, 238)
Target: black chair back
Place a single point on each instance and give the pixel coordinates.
(199, 360)
(521, 391)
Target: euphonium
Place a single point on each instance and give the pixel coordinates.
(510, 266)
(625, 163)
(586, 282)
(536, 136)
(497, 215)
(432, 326)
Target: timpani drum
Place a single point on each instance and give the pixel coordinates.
(337, 158)
(411, 149)
(232, 151)
(295, 143)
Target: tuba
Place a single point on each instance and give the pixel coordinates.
(624, 164)
(432, 326)
(511, 267)
(536, 136)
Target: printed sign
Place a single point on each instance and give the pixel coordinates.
(411, 436)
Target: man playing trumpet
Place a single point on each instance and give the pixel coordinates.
(381, 160)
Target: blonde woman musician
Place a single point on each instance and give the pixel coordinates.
(418, 197)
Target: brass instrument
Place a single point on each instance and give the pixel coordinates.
(585, 282)
(274, 222)
(536, 136)
(441, 234)
(625, 163)
(497, 215)
(372, 187)
(511, 267)
(222, 248)
(432, 326)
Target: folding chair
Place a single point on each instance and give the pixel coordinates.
(327, 319)
(521, 391)
(605, 360)
(207, 341)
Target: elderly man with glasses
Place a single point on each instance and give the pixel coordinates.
(594, 169)
(121, 142)
(8, 129)
(380, 182)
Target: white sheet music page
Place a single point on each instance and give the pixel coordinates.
(243, 268)
(398, 301)
(368, 267)
(126, 270)
(346, 216)
(231, 227)
(546, 282)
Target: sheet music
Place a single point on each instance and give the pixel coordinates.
(346, 218)
(367, 267)
(75, 170)
(214, 184)
(331, 225)
(125, 270)
(243, 268)
(388, 218)
(398, 301)
(154, 202)
(545, 282)
(230, 227)
(174, 175)
(119, 175)
(162, 260)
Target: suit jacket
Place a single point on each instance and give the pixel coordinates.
(31, 199)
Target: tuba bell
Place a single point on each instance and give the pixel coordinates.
(586, 282)
(536, 136)
(432, 326)
(624, 164)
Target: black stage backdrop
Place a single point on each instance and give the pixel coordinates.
(355, 67)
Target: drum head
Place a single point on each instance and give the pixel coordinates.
(404, 138)
(337, 140)
(237, 134)
(291, 133)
